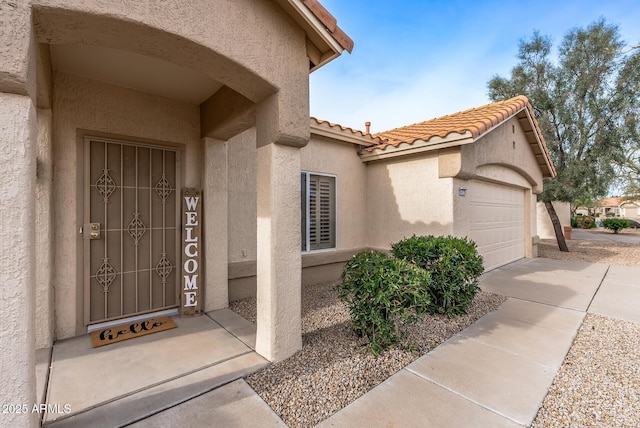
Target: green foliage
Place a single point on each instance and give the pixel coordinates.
(583, 222)
(615, 224)
(379, 290)
(586, 104)
(454, 264)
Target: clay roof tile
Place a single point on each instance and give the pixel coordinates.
(476, 121)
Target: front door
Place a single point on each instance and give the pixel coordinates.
(131, 234)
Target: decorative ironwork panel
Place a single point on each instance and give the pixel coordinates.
(105, 275)
(136, 228)
(164, 268)
(163, 188)
(105, 185)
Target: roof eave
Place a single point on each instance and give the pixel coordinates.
(341, 134)
(548, 163)
(325, 40)
(418, 146)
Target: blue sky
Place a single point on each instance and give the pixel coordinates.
(415, 60)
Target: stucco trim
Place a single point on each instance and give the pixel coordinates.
(419, 146)
(248, 269)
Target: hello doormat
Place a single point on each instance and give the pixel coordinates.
(132, 330)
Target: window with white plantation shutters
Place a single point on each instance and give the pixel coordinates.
(318, 212)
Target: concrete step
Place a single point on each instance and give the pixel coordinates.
(149, 401)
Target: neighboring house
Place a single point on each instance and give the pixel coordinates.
(475, 173)
(109, 110)
(615, 207)
(608, 207)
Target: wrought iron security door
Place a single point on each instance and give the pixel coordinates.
(131, 234)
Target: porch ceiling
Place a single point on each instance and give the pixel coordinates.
(134, 71)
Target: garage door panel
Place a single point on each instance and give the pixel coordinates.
(497, 222)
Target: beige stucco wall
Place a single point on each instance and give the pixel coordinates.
(543, 223)
(17, 254)
(503, 155)
(44, 232)
(242, 197)
(105, 110)
(196, 34)
(405, 196)
(321, 156)
(325, 156)
(419, 194)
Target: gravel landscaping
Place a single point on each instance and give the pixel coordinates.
(333, 368)
(596, 251)
(598, 384)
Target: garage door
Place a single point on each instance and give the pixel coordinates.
(497, 222)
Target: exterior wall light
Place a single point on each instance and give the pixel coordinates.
(462, 191)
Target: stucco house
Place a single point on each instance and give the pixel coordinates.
(162, 159)
(613, 207)
(474, 173)
(617, 207)
(112, 112)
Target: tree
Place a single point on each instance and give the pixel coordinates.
(586, 104)
(630, 168)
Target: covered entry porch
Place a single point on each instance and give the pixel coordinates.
(184, 79)
(125, 382)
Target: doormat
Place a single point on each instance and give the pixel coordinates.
(119, 333)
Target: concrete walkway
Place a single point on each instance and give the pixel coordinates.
(497, 372)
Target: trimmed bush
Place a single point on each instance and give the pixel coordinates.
(615, 224)
(585, 222)
(454, 265)
(379, 290)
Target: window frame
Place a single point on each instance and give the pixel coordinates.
(305, 217)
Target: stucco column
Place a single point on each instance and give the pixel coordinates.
(17, 255)
(279, 137)
(279, 333)
(44, 238)
(17, 228)
(216, 235)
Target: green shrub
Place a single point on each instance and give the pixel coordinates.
(585, 222)
(615, 224)
(574, 222)
(454, 265)
(379, 290)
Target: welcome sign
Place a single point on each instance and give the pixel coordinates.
(191, 301)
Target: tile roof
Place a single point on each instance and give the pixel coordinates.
(610, 202)
(360, 137)
(477, 121)
(470, 124)
(330, 23)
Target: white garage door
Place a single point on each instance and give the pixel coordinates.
(497, 222)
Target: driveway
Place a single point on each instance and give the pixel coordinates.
(605, 235)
